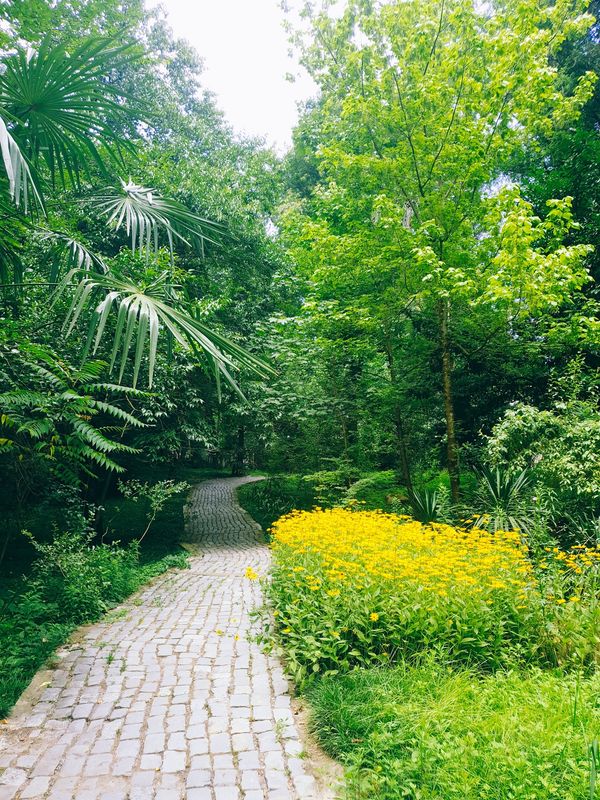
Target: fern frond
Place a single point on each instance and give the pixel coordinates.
(115, 411)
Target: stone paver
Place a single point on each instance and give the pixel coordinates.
(169, 699)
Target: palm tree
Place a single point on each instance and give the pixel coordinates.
(62, 120)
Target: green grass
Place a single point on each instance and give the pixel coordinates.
(428, 733)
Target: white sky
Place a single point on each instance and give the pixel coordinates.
(246, 59)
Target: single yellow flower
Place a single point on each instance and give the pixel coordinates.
(251, 574)
(373, 616)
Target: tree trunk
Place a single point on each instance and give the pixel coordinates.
(451, 444)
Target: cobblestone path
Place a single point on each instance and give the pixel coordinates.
(167, 699)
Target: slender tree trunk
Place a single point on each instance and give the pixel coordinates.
(5, 544)
(452, 446)
(398, 420)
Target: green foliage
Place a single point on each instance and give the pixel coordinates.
(147, 309)
(81, 579)
(145, 214)
(330, 486)
(74, 580)
(28, 636)
(503, 501)
(562, 446)
(269, 499)
(438, 733)
(153, 495)
(63, 111)
(51, 415)
(377, 490)
(430, 506)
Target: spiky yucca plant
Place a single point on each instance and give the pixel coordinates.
(503, 501)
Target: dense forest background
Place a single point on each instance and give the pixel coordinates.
(407, 301)
(319, 262)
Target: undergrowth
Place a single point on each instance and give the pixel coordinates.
(433, 733)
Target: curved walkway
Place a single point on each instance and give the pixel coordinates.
(167, 699)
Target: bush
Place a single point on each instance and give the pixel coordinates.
(433, 733)
(364, 588)
(330, 486)
(377, 490)
(29, 632)
(269, 499)
(83, 580)
(562, 445)
(358, 588)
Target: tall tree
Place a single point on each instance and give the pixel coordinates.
(422, 106)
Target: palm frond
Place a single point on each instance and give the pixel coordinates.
(145, 215)
(60, 107)
(143, 311)
(21, 181)
(72, 251)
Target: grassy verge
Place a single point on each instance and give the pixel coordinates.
(435, 734)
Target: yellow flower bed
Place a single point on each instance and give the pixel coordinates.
(352, 588)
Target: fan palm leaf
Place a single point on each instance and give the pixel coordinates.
(142, 312)
(60, 109)
(66, 249)
(145, 214)
(21, 180)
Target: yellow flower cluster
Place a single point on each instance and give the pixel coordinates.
(578, 560)
(362, 547)
(360, 588)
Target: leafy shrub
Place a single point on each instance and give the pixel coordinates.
(562, 445)
(29, 632)
(269, 499)
(434, 733)
(330, 486)
(153, 496)
(376, 490)
(83, 580)
(358, 588)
